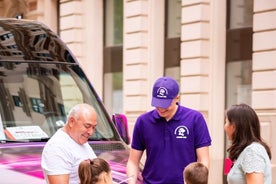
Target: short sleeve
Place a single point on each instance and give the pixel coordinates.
(137, 138)
(56, 162)
(253, 160)
(202, 137)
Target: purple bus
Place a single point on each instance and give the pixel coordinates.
(40, 80)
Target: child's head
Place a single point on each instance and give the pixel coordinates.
(195, 173)
(95, 171)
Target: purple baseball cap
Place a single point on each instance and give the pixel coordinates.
(165, 89)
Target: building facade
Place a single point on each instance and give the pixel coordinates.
(221, 52)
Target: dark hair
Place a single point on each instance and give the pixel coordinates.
(90, 170)
(196, 173)
(247, 129)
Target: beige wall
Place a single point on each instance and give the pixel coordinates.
(264, 71)
(142, 53)
(203, 70)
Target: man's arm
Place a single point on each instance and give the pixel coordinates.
(203, 155)
(133, 165)
(58, 179)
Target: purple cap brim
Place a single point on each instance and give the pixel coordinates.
(161, 103)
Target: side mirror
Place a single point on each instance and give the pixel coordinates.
(121, 124)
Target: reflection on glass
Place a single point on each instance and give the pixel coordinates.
(113, 22)
(173, 19)
(37, 96)
(239, 80)
(241, 13)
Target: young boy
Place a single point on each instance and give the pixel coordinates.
(195, 173)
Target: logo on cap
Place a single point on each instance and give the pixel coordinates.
(162, 92)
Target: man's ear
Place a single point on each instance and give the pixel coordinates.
(71, 121)
(177, 98)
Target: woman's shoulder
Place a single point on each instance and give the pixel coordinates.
(255, 148)
(254, 158)
(255, 145)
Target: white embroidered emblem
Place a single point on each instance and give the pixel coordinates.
(162, 92)
(181, 132)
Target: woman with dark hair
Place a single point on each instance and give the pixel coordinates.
(96, 171)
(250, 154)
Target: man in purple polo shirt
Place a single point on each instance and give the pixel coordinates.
(172, 136)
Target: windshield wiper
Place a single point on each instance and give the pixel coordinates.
(98, 139)
(44, 139)
(13, 141)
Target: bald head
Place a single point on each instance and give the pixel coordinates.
(81, 110)
(81, 122)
